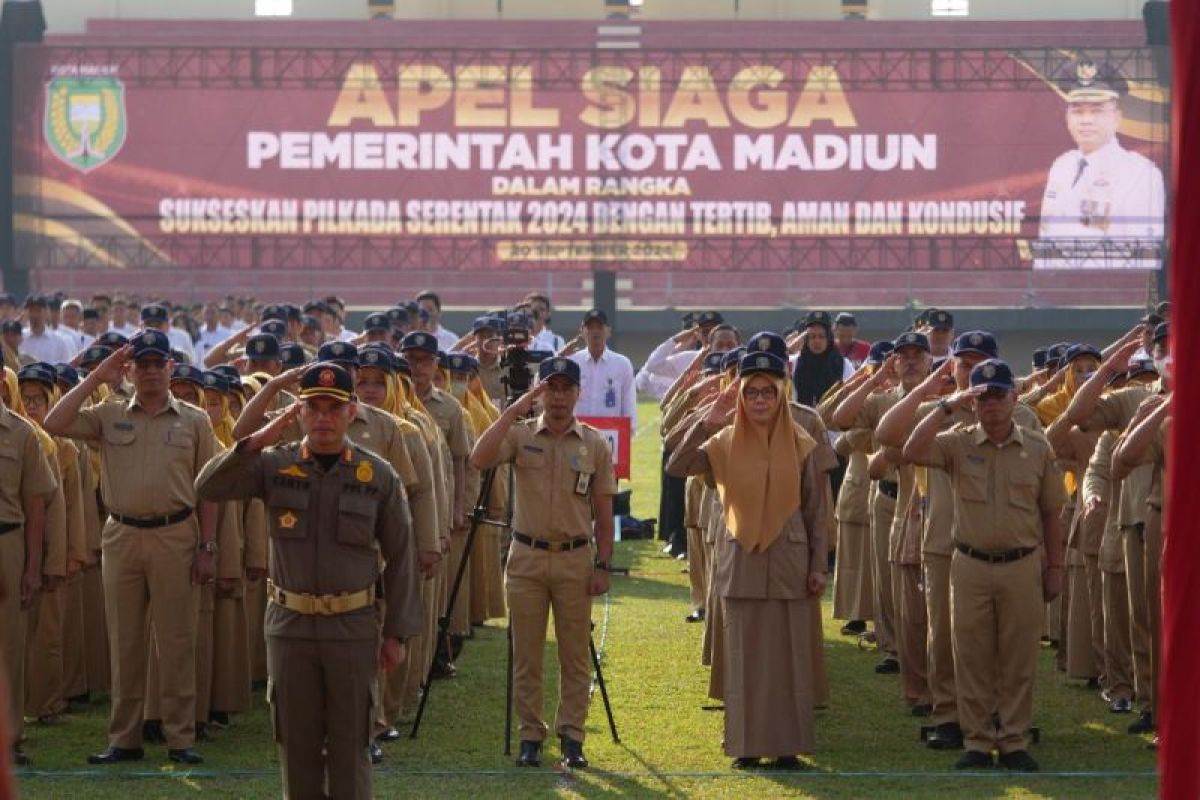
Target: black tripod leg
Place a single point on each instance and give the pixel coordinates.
(485, 491)
(612, 724)
(508, 695)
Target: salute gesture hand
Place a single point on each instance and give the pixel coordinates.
(272, 432)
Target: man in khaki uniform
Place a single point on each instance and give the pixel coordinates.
(26, 487)
(335, 510)
(156, 548)
(564, 485)
(1010, 495)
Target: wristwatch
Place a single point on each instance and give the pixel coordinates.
(604, 565)
(208, 547)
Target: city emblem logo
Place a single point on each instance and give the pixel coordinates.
(85, 122)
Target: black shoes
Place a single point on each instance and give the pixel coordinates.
(219, 719)
(921, 710)
(889, 666)
(152, 732)
(1143, 724)
(572, 753)
(854, 627)
(946, 736)
(389, 734)
(19, 758)
(789, 763)
(1121, 705)
(745, 762)
(117, 755)
(695, 616)
(376, 753)
(1018, 761)
(531, 754)
(973, 759)
(185, 756)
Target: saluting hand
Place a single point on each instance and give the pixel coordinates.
(272, 432)
(720, 413)
(112, 368)
(525, 402)
(288, 379)
(932, 386)
(1119, 360)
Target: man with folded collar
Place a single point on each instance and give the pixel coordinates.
(1009, 495)
(561, 549)
(158, 543)
(335, 510)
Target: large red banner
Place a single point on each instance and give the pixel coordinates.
(569, 154)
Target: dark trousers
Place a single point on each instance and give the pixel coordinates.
(670, 509)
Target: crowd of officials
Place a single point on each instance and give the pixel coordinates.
(194, 500)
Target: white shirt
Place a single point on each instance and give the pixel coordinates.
(181, 340)
(1111, 193)
(606, 386)
(125, 330)
(346, 335)
(848, 368)
(446, 339)
(547, 340)
(76, 340)
(46, 346)
(207, 340)
(664, 366)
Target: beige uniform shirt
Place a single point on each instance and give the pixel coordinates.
(1002, 491)
(25, 472)
(555, 478)
(938, 538)
(149, 462)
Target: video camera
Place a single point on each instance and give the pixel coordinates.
(518, 364)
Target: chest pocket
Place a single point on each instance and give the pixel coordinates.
(287, 512)
(179, 437)
(356, 520)
(1023, 491)
(119, 450)
(973, 481)
(530, 459)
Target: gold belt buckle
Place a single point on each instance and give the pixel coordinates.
(324, 604)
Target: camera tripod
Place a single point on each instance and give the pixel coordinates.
(479, 517)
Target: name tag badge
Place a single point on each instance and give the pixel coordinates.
(583, 482)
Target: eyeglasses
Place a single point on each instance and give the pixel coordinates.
(765, 393)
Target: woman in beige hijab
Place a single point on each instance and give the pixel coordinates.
(770, 559)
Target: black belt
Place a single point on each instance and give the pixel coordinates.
(9, 527)
(1002, 557)
(890, 488)
(160, 521)
(553, 547)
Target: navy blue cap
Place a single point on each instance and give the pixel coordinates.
(262, 347)
(689, 319)
(94, 355)
(216, 381)
(35, 300)
(732, 358)
(91, 313)
(273, 312)
(339, 353)
(67, 374)
(564, 367)
(769, 363)
(1039, 357)
(112, 339)
(821, 318)
(712, 363)
(1162, 331)
(293, 355)
(994, 374)
(419, 340)
(980, 342)
(292, 312)
(459, 362)
(401, 364)
(595, 315)
(7, 299)
(310, 322)
(768, 342)
(188, 374)
(274, 327)
(706, 318)
(845, 318)
(228, 370)
(911, 339)
(11, 326)
(1055, 353)
(940, 319)
(1141, 366)
(487, 322)
(326, 379)
(377, 356)
(377, 321)
(880, 350)
(317, 305)
(397, 316)
(1081, 350)
(154, 313)
(150, 343)
(39, 372)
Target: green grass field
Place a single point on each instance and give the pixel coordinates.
(670, 747)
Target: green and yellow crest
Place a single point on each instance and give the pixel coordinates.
(85, 120)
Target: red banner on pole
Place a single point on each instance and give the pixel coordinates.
(618, 433)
